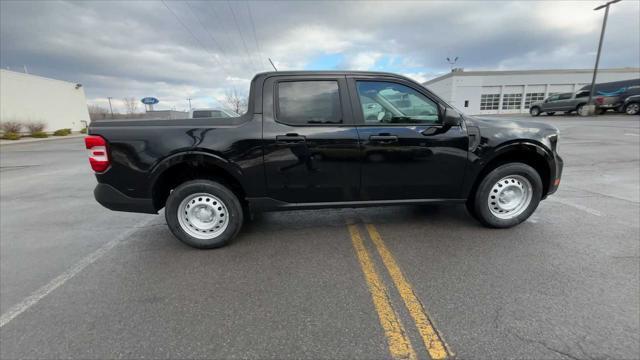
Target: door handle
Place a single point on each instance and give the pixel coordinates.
(383, 139)
(290, 138)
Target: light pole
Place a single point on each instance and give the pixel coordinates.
(189, 99)
(110, 108)
(591, 107)
(452, 62)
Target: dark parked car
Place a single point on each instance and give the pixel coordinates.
(631, 105)
(305, 143)
(611, 95)
(565, 102)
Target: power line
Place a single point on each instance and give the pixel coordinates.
(219, 21)
(244, 43)
(255, 37)
(193, 35)
(216, 43)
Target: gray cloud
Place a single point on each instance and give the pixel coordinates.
(139, 48)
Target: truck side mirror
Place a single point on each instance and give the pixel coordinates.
(451, 118)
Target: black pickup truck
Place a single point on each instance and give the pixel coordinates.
(314, 140)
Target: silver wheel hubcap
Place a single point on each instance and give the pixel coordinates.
(510, 196)
(633, 109)
(203, 216)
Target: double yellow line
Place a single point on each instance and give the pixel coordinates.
(399, 344)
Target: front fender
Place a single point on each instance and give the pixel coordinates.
(482, 160)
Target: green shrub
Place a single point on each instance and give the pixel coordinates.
(11, 127)
(35, 127)
(11, 136)
(62, 132)
(83, 130)
(39, 134)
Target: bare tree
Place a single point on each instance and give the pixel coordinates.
(97, 112)
(236, 102)
(131, 105)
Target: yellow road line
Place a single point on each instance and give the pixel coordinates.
(399, 344)
(432, 340)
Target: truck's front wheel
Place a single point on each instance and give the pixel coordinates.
(507, 195)
(203, 214)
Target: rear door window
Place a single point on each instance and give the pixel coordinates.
(309, 102)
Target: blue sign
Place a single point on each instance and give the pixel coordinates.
(612, 93)
(150, 101)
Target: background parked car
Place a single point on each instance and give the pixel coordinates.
(631, 105)
(213, 113)
(611, 95)
(566, 102)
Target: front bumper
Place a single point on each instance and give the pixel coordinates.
(113, 199)
(555, 180)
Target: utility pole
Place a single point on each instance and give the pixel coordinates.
(189, 99)
(110, 108)
(591, 107)
(274, 67)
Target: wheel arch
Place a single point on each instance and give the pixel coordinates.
(181, 167)
(532, 154)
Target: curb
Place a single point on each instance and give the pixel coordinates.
(32, 140)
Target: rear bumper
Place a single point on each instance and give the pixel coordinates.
(609, 106)
(112, 199)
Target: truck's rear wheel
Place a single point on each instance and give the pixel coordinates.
(507, 196)
(203, 214)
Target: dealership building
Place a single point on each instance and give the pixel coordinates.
(509, 92)
(29, 98)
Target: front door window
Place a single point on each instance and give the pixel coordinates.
(392, 103)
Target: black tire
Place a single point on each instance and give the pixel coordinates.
(479, 204)
(551, 113)
(534, 111)
(230, 200)
(601, 111)
(632, 108)
(579, 109)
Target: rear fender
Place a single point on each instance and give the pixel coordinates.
(199, 157)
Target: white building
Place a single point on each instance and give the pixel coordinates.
(29, 98)
(504, 92)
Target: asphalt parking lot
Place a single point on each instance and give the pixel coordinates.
(80, 281)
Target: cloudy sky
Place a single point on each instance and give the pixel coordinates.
(200, 49)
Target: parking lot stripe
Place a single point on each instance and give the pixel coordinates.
(432, 339)
(399, 344)
(59, 280)
(575, 206)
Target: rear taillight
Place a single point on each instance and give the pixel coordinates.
(599, 100)
(98, 157)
